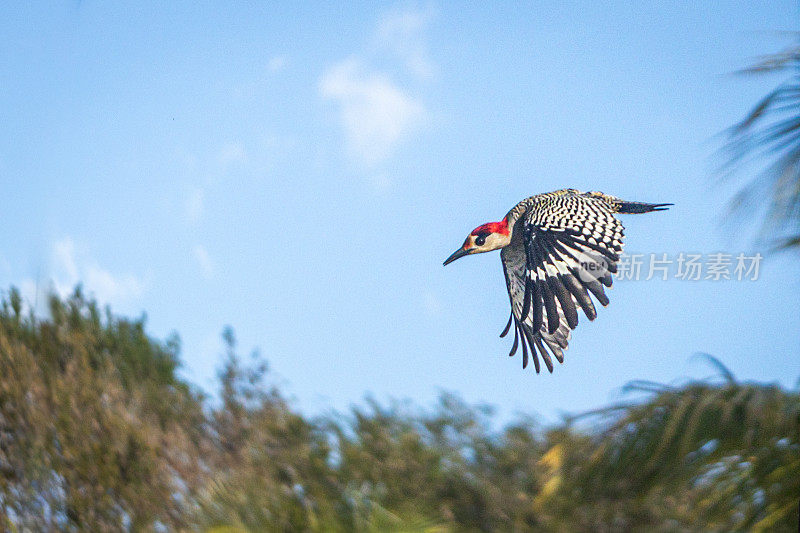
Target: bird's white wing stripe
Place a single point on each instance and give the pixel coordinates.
(564, 248)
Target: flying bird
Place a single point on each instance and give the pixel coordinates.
(557, 248)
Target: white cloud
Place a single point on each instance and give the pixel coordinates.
(277, 63)
(193, 208)
(203, 260)
(375, 113)
(68, 268)
(232, 152)
(64, 258)
(31, 293)
(403, 33)
(108, 287)
(263, 82)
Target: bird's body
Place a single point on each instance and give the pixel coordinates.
(557, 248)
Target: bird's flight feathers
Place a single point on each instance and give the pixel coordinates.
(564, 247)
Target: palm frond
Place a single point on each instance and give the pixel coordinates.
(782, 60)
(723, 370)
(768, 139)
(737, 446)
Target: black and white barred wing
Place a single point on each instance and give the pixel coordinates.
(523, 304)
(561, 252)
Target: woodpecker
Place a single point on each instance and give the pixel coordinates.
(556, 249)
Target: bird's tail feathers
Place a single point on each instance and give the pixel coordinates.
(635, 208)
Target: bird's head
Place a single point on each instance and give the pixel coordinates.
(484, 238)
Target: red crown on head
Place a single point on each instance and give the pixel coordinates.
(492, 227)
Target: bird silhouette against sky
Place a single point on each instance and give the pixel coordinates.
(557, 248)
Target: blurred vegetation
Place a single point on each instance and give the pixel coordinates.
(768, 138)
(98, 432)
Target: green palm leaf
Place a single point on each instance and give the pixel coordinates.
(768, 139)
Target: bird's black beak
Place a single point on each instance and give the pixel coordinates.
(461, 252)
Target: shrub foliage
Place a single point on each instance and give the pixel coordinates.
(99, 432)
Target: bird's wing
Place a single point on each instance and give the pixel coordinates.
(562, 249)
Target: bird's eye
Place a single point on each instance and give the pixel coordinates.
(480, 240)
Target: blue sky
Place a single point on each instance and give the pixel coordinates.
(300, 172)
